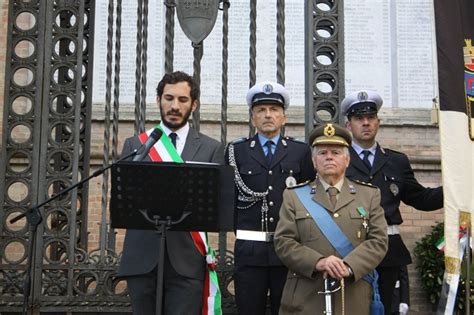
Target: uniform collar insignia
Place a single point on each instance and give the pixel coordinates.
(352, 189)
(252, 144)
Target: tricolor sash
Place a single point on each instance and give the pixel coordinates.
(164, 151)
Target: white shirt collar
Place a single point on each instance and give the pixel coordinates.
(359, 149)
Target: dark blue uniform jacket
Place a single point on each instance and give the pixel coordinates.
(291, 157)
(392, 174)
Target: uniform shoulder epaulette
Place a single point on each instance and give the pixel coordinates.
(288, 138)
(240, 140)
(300, 184)
(363, 183)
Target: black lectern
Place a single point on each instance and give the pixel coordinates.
(168, 189)
(171, 196)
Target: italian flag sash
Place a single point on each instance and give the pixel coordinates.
(164, 151)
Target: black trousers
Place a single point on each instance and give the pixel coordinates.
(252, 284)
(388, 277)
(181, 296)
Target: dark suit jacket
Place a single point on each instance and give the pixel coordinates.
(393, 175)
(140, 251)
(291, 157)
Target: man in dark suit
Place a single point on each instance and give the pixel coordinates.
(185, 266)
(390, 171)
(264, 166)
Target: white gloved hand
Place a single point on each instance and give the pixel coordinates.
(403, 308)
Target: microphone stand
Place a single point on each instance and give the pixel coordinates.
(34, 218)
(161, 226)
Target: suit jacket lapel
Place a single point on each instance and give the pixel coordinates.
(356, 161)
(345, 196)
(380, 159)
(193, 142)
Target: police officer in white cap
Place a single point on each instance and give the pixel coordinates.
(264, 166)
(390, 171)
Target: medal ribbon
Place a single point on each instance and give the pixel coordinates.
(164, 151)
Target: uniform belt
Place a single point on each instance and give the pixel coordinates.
(393, 230)
(254, 236)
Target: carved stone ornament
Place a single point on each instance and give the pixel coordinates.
(197, 18)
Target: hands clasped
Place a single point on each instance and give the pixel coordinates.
(333, 266)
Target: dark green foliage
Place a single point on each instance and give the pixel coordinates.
(430, 264)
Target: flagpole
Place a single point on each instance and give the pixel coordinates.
(467, 256)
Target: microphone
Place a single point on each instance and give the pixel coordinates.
(145, 148)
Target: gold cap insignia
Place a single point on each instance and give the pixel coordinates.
(329, 130)
(330, 133)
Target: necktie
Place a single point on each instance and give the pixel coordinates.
(269, 156)
(173, 136)
(366, 159)
(332, 191)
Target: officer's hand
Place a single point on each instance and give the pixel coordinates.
(333, 266)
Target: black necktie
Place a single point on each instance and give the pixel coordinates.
(269, 151)
(366, 159)
(173, 136)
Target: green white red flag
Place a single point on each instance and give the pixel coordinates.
(164, 151)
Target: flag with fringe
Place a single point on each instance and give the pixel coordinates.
(454, 39)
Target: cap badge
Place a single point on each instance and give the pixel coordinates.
(362, 96)
(329, 130)
(394, 189)
(290, 181)
(267, 88)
